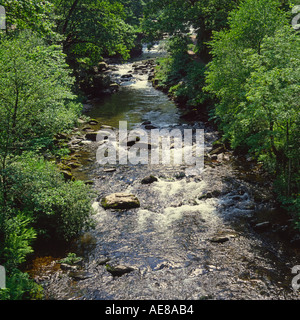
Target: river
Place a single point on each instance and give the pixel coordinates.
(193, 237)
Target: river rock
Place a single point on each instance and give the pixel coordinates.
(110, 170)
(91, 136)
(103, 126)
(219, 239)
(120, 201)
(74, 165)
(93, 122)
(79, 275)
(223, 237)
(150, 127)
(114, 87)
(145, 123)
(68, 175)
(126, 76)
(118, 271)
(102, 66)
(85, 142)
(68, 267)
(262, 227)
(149, 180)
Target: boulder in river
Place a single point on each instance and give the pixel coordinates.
(118, 271)
(102, 66)
(149, 180)
(223, 237)
(120, 201)
(91, 136)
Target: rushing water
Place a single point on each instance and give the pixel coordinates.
(168, 240)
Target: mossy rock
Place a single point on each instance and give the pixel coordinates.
(120, 201)
(68, 175)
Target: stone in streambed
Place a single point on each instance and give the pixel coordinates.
(92, 136)
(262, 227)
(149, 180)
(118, 271)
(223, 237)
(120, 201)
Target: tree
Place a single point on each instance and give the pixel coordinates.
(231, 49)
(177, 17)
(255, 76)
(93, 28)
(29, 14)
(36, 100)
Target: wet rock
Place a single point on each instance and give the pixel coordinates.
(103, 261)
(93, 122)
(103, 126)
(180, 175)
(145, 123)
(68, 175)
(85, 142)
(120, 201)
(102, 66)
(149, 180)
(74, 165)
(126, 76)
(219, 239)
(81, 121)
(118, 271)
(132, 141)
(68, 267)
(79, 275)
(89, 182)
(75, 142)
(64, 167)
(109, 170)
(210, 194)
(151, 76)
(150, 127)
(223, 236)
(92, 136)
(263, 226)
(218, 150)
(114, 87)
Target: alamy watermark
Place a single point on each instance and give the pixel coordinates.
(154, 147)
(296, 18)
(296, 279)
(2, 18)
(2, 278)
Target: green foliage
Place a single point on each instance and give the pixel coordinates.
(19, 286)
(255, 75)
(18, 238)
(94, 28)
(176, 17)
(71, 259)
(182, 76)
(29, 14)
(59, 209)
(35, 92)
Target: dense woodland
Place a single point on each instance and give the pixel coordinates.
(244, 74)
